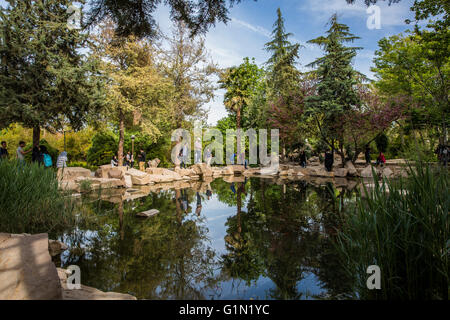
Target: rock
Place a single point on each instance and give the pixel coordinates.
(396, 162)
(115, 173)
(319, 172)
(228, 170)
(367, 172)
(69, 185)
(387, 173)
(340, 172)
(104, 183)
(185, 172)
(127, 181)
(154, 163)
(148, 213)
(138, 177)
(238, 169)
(85, 292)
(56, 247)
(199, 168)
(351, 170)
(26, 269)
(71, 173)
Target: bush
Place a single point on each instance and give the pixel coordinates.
(382, 142)
(30, 201)
(104, 146)
(403, 227)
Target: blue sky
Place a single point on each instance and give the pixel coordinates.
(251, 25)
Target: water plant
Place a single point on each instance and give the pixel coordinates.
(30, 200)
(402, 226)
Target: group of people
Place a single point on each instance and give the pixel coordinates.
(128, 160)
(39, 154)
(381, 159)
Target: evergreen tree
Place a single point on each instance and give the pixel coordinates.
(335, 93)
(283, 76)
(44, 80)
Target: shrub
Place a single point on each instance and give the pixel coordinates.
(30, 201)
(104, 146)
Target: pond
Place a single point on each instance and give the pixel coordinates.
(250, 238)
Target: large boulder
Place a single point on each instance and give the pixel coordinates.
(228, 170)
(238, 169)
(387, 173)
(85, 292)
(367, 172)
(56, 247)
(138, 177)
(154, 163)
(319, 171)
(351, 170)
(103, 183)
(71, 173)
(26, 269)
(340, 172)
(184, 172)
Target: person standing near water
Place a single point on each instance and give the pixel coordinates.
(329, 159)
(367, 154)
(141, 160)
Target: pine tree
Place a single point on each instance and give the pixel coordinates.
(283, 76)
(45, 80)
(335, 93)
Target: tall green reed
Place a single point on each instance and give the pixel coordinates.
(30, 201)
(403, 227)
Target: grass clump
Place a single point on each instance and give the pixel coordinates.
(30, 201)
(403, 227)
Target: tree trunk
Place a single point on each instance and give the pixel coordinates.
(238, 136)
(36, 135)
(121, 137)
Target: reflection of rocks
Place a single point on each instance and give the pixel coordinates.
(87, 293)
(340, 172)
(148, 213)
(235, 179)
(26, 269)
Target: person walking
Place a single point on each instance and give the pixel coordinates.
(141, 160)
(128, 159)
(197, 151)
(3, 151)
(61, 162)
(367, 154)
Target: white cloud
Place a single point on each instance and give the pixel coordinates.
(258, 29)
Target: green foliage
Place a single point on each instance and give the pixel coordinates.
(382, 142)
(240, 83)
(104, 147)
(336, 94)
(401, 226)
(33, 203)
(44, 79)
(283, 76)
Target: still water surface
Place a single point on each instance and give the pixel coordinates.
(253, 239)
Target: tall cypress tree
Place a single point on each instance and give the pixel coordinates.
(335, 94)
(283, 76)
(45, 81)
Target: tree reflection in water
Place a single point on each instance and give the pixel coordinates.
(283, 232)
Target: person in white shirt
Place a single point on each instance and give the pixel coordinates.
(61, 162)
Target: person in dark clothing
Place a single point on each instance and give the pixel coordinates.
(36, 154)
(329, 159)
(367, 154)
(3, 151)
(303, 159)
